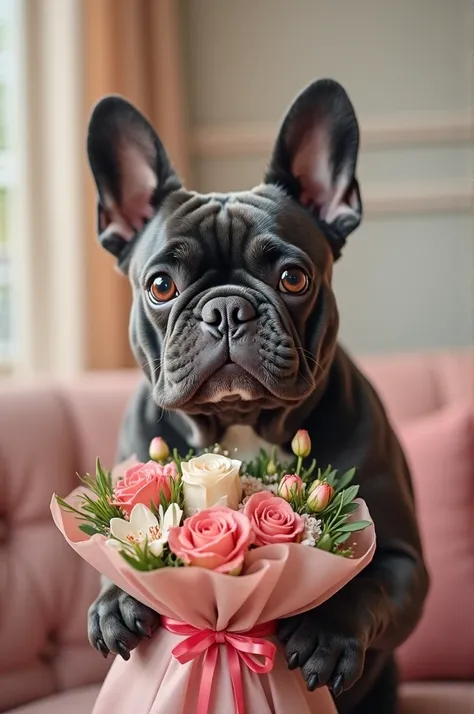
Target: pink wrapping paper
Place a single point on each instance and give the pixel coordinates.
(279, 581)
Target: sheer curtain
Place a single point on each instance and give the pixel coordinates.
(71, 308)
(47, 204)
(133, 49)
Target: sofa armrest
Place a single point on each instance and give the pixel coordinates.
(48, 432)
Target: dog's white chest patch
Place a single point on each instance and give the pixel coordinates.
(244, 444)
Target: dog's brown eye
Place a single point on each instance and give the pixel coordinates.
(162, 288)
(294, 280)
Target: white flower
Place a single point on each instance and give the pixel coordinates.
(144, 527)
(211, 479)
(251, 485)
(312, 530)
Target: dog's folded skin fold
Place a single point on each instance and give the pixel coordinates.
(235, 322)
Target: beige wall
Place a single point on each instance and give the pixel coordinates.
(406, 279)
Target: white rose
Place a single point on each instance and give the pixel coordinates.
(209, 480)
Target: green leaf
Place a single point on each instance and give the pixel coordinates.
(341, 538)
(172, 561)
(88, 529)
(67, 506)
(330, 476)
(137, 564)
(350, 508)
(163, 501)
(355, 526)
(143, 560)
(177, 459)
(325, 543)
(349, 494)
(342, 516)
(307, 473)
(102, 481)
(344, 481)
(96, 512)
(337, 523)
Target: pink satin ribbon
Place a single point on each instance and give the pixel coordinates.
(246, 647)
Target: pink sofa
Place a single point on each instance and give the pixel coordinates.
(48, 431)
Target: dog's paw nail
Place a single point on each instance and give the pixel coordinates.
(123, 651)
(102, 647)
(337, 686)
(293, 661)
(313, 682)
(142, 629)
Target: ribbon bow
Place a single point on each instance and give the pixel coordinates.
(246, 647)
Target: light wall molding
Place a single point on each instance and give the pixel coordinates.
(402, 199)
(256, 138)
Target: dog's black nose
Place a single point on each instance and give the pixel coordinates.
(227, 313)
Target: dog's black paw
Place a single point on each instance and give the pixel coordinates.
(326, 654)
(117, 622)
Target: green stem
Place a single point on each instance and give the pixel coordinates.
(334, 518)
(299, 465)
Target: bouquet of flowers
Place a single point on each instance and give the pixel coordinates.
(221, 550)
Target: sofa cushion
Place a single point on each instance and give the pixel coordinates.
(440, 450)
(437, 698)
(76, 701)
(45, 589)
(415, 698)
(412, 386)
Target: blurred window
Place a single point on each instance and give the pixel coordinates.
(7, 20)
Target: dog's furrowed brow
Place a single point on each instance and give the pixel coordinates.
(269, 249)
(180, 250)
(179, 254)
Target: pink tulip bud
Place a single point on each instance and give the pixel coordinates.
(313, 486)
(301, 444)
(290, 487)
(159, 450)
(320, 497)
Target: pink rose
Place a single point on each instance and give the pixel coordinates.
(216, 538)
(119, 470)
(273, 519)
(144, 483)
(291, 486)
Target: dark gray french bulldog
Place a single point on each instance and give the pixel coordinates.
(234, 323)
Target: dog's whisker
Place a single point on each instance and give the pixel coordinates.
(310, 357)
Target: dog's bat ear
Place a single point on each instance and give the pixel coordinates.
(131, 169)
(315, 159)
